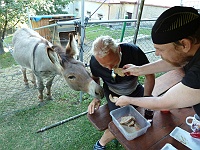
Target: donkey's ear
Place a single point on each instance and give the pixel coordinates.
(54, 58)
(72, 48)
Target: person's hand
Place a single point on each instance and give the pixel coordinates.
(131, 69)
(122, 101)
(94, 105)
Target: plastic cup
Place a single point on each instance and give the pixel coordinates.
(148, 114)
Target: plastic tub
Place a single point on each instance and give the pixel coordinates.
(129, 111)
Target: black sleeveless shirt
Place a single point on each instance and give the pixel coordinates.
(192, 76)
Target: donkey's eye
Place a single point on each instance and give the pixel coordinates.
(71, 77)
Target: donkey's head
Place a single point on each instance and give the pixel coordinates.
(72, 70)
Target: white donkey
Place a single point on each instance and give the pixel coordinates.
(46, 61)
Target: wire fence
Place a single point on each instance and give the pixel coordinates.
(15, 96)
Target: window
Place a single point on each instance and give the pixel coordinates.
(100, 16)
(88, 13)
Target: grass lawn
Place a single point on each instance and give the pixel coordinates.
(94, 31)
(6, 60)
(18, 129)
(21, 118)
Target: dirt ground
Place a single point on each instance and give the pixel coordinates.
(14, 95)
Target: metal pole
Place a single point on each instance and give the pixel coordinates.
(138, 21)
(72, 22)
(47, 26)
(61, 122)
(82, 37)
(123, 30)
(29, 20)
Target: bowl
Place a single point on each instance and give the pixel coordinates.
(130, 133)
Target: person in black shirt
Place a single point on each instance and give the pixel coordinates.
(107, 56)
(176, 38)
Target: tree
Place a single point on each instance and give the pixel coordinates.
(14, 11)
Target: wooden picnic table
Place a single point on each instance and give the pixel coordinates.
(158, 134)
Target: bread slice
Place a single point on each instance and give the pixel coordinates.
(113, 98)
(131, 124)
(119, 71)
(126, 120)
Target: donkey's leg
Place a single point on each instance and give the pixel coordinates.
(33, 79)
(25, 77)
(40, 88)
(48, 86)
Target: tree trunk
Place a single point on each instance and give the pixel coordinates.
(1, 47)
(2, 35)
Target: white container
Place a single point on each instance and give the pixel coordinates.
(168, 147)
(129, 111)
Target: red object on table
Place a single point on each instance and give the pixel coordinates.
(195, 134)
(165, 111)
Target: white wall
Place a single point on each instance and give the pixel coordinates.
(151, 9)
(109, 11)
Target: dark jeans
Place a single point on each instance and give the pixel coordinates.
(139, 92)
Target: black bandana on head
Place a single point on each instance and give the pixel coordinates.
(175, 24)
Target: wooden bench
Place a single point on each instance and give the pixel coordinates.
(101, 118)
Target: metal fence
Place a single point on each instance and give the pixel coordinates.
(13, 92)
(121, 30)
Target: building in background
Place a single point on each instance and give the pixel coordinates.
(118, 9)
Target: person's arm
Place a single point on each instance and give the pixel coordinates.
(149, 83)
(95, 103)
(179, 96)
(150, 68)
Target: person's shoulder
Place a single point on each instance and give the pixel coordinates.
(130, 47)
(94, 62)
(93, 58)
